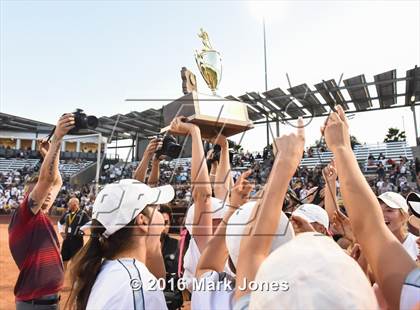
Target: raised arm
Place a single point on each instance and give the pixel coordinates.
(154, 173)
(42, 193)
(43, 147)
(213, 167)
(223, 180)
(140, 173)
(389, 261)
(330, 176)
(201, 189)
(256, 245)
(215, 254)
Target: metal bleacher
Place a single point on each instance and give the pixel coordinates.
(69, 169)
(391, 150)
(7, 165)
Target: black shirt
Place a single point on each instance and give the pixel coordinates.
(170, 253)
(73, 221)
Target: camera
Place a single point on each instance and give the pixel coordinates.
(83, 121)
(169, 148)
(216, 152)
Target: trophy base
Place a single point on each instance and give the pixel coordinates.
(213, 114)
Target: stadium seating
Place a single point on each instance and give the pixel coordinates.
(14, 164)
(69, 169)
(391, 150)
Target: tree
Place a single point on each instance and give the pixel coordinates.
(394, 135)
(354, 141)
(322, 145)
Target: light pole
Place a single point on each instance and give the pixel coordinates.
(265, 80)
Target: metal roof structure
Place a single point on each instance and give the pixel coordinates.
(362, 96)
(119, 126)
(126, 126)
(16, 123)
(356, 95)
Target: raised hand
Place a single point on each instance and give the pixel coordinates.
(290, 147)
(220, 140)
(43, 147)
(153, 145)
(179, 126)
(240, 191)
(210, 154)
(336, 131)
(330, 172)
(341, 223)
(64, 125)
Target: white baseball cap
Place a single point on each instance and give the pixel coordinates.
(394, 201)
(117, 204)
(319, 274)
(238, 222)
(218, 208)
(313, 214)
(413, 201)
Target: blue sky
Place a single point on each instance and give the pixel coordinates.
(60, 55)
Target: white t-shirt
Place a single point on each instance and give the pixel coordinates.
(214, 290)
(125, 284)
(410, 246)
(190, 263)
(410, 293)
(191, 258)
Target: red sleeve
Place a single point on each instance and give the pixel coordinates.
(23, 214)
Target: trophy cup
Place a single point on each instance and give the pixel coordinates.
(212, 113)
(209, 63)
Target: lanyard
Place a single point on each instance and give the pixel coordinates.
(71, 218)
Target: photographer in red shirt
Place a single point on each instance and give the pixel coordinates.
(33, 241)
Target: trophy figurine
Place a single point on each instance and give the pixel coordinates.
(212, 113)
(209, 62)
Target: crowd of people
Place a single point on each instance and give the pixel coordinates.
(235, 248)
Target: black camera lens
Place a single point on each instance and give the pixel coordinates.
(92, 122)
(169, 148)
(83, 121)
(216, 152)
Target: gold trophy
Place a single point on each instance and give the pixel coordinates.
(212, 113)
(209, 62)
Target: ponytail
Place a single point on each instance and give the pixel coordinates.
(87, 262)
(85, 268)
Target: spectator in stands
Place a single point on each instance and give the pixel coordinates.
(371, 160)
(380, 171)
(381, 156)
(72, 228)
(32, 238)
(385, 186)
